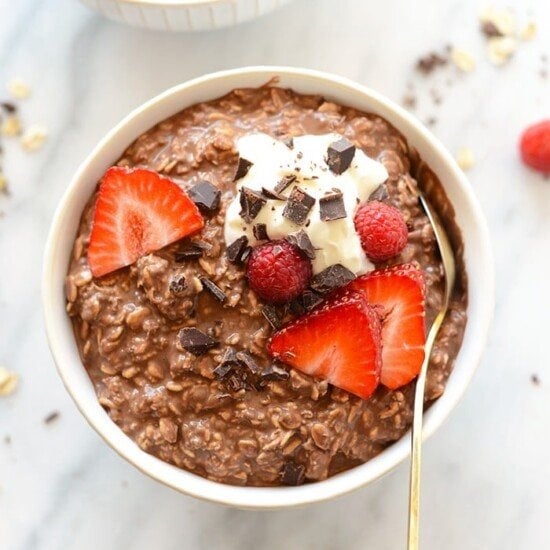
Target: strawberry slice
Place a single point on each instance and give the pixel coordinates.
(136, 212)
(399, 293)
(339, 341)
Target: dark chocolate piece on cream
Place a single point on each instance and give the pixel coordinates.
(331, 206)
(205, 195)
(301, 240)
(284, 182)
(214, 289)
(260, 231)
(272, 195)
(236, 250)
(330, 278)
(298, 206)
(380, 194)
(339, 155)
(251, 203)
(196, 341)
(242, 168)
(289, 142)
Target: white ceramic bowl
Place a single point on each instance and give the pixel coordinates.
(477, 255)
(183, 15)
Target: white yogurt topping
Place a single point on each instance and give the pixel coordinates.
(336, 241)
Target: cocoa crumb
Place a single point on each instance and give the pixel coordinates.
(535, 380)
(428, 63)
(51, 417)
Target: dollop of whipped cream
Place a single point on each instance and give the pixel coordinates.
(335, 241)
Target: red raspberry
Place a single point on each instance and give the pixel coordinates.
(382, 230)
(278, 272)
(535, 146)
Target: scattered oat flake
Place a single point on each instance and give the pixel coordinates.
(500, 49)
(529, 31)
(465, 158)
(11, 126)
(18, 88)
(502, 18)
(463, 60)
(33, 138)
(8, 382)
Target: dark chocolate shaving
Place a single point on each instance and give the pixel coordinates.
(380, 194)
(330, 278)
(301, 240)
(188, 251)
(235, 251)
(293, 473)
(298, 206)
(205, 195)
(214, 289)
(228, 364)
(242, 168)
(272, 195)
(260, 231)
(331, 206)
(247, 361)
(284, 182)
(273, 316)
(339, 155)
(251, 203)
(274, 372)
(195, 341)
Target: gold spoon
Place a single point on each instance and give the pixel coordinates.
(449, 268)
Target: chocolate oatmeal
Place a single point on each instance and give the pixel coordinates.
(176, 344)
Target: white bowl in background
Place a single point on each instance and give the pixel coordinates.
(183, 15)
(477, 256)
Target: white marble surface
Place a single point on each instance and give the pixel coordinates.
(487, 471)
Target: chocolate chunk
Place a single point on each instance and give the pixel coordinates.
(274, 372)
(9, 107)
(273, 316)
(330, 278)
(228, 364)
(189, 251)
(380, 194)
(236, 249)
(242, 168)
(301, 240)
(298, 206)
(205, 195)
(214, 289)
(251, 204)
(260, 231)
(178, 285)
(284, 182)
(248, 361)
(339, 155)
(195, 341)
(272, 195)
(331, 206)
(310, 299)
(293, 473)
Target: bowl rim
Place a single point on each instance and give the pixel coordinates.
(62, 343)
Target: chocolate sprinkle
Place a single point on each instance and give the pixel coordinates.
(242, 168)
(260, 231)
(251, 204)
(298, 206)
(293, 474)
(284, 182)
(380, 194)
(273, 316)
(272, 195)
(301, 240)
(189, 251)
(195, 341)
(235, 251)
(274, 372)
(339, 155)
(205, 195)
(330, 278)
(214, 289)
(331, 206)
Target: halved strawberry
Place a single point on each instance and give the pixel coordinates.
(399, 292)
(339, 341)
(137, 212)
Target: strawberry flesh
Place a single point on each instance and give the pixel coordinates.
(137, 212)
(398, 294)
(339, 342)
